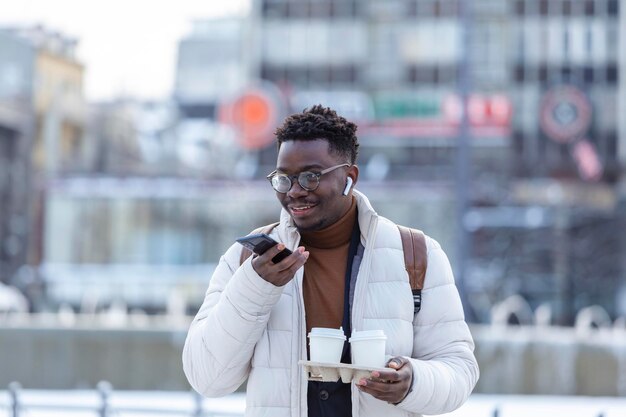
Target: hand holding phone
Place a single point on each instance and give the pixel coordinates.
(259, 243)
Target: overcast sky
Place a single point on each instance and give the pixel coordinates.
(128, 46)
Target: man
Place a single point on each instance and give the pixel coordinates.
(347, 269)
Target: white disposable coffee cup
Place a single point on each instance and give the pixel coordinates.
(368, 348)
(326, 345)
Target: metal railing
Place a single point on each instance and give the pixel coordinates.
(102, 402)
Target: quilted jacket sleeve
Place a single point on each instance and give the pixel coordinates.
(221, 339)
(445, 370)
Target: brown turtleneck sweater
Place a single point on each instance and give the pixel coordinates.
(325, 271)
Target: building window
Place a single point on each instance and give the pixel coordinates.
(343, 8)
(343, 75)
(611, 73)
(567, 7)
(422, 74)
(324, 76)
(437, 9)
(588, 75)
(319, 76)
(519, 8)
(566, 73)
(518, 73)
(320, 9)
(272, 73)
(298, 9)
(613, 8)
(432, 74)
(611, 146)
(446, 8)
(543, 73)
(297, 76)
(274, 8)
(589, 8)
(411, 8)
(518, 146)
(425, 8)
(446, 74)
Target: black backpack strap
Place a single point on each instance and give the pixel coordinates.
(415, 262)
(245, 252)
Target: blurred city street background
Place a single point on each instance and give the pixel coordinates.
(134, 149)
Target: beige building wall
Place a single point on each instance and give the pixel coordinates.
(60, 111)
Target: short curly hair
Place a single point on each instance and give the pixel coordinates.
(320, 122)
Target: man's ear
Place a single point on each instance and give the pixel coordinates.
(353, 172)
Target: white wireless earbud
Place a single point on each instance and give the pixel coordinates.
(348, 185)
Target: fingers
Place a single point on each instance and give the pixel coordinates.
(272, 252)
(393, 375)
(282, 272)
(275, 250)
(386, 377)
(384, 391)
(395, 363)
(391, 386)
(293, 262)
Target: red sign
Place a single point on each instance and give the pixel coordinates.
(254, 115)
(565, 114)
(482, 110)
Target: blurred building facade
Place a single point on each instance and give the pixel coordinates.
(573, 43)
(42, 74)
(129, 137)
(545, 141)
(374, 61)
(546, 151)
(406, 56)
(42, 133)
(563, 60)
(15, 191)
(211, 66)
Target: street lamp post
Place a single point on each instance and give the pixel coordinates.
(463, 156)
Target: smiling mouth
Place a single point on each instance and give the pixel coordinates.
(301, 209)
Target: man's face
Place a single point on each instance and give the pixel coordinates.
(314, 210)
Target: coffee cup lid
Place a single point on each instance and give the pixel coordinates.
(327, 332)
(368, 335)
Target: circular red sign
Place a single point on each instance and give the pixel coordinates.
(253, 114)
(565, 113)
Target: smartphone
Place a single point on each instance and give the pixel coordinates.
(259, 243)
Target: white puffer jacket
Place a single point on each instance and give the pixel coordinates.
(249, 328)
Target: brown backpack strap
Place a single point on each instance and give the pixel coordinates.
(415, 261)
(245, 252)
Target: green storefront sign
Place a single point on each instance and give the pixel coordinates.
(413, 107)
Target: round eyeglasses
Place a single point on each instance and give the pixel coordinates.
(308, 180)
